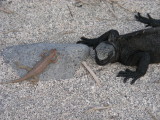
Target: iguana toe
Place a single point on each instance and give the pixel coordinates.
(127, 74)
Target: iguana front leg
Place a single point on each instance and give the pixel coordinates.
(108, 36)
(142, 59)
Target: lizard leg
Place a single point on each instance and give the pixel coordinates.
(23, 67)
(34, 81)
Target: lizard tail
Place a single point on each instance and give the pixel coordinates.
(14, 81)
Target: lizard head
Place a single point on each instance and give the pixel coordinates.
(105, 53)
(52, 53)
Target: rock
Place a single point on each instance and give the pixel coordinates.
(70, 57)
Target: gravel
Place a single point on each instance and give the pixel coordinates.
(75, 98)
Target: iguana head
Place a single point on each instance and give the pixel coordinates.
(105, 53)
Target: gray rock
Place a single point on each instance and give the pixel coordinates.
(70, 57)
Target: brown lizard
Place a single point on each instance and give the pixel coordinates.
(38, 68)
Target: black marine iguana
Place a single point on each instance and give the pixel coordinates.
(139, 48)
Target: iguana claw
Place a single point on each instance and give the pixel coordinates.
(127, 74)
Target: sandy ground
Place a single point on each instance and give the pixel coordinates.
(79, 98)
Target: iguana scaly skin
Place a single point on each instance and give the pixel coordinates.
(139, 48)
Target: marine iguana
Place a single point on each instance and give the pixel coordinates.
(139, 48)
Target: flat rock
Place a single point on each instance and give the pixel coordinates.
(70, 57)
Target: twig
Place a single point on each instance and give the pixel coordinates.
(70, 11)
(91, 72)
(116, 2)
(82, 1)
(6, 10)
(158, 81)
(14, 30)
(68, 32)
(110, 9)
(97, 108)
(123, 7)
(78, 3)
